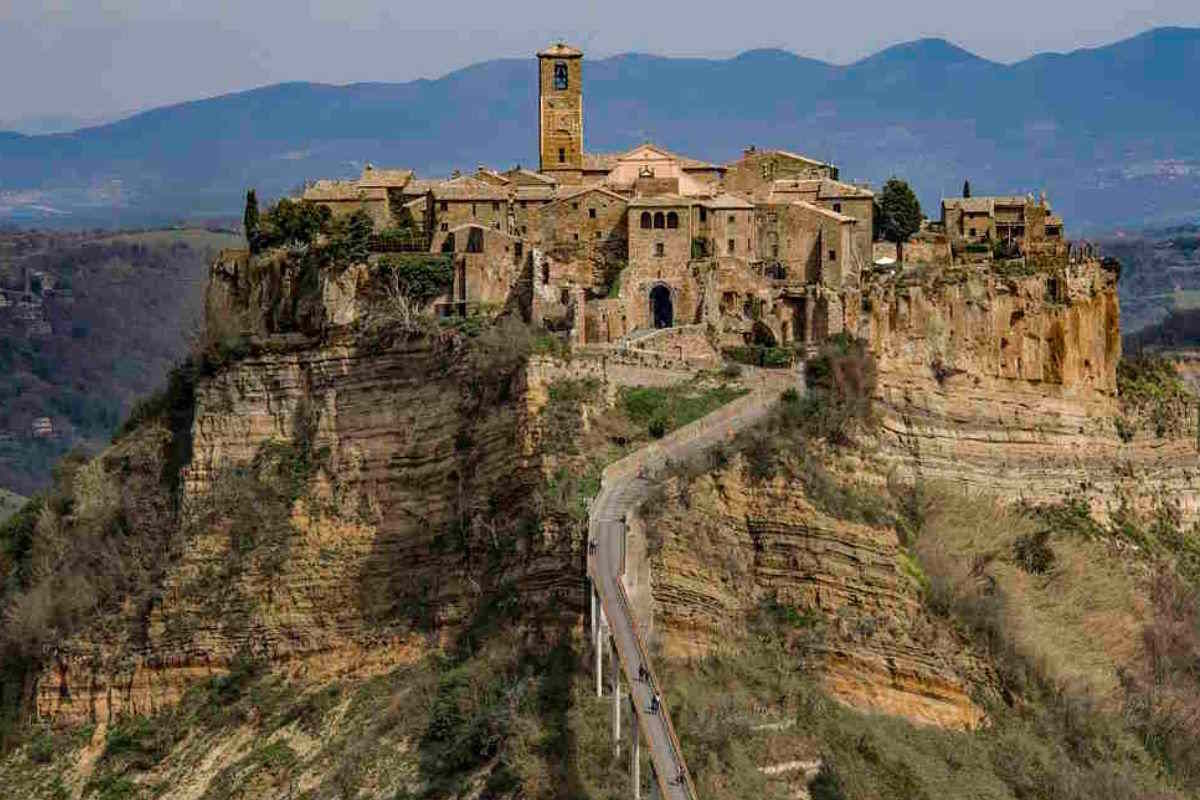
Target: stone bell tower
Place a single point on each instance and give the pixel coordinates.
(560, 112)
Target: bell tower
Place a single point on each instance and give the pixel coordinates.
(560, 112)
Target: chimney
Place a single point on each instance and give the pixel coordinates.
(749, 151)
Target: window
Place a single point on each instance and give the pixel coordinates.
(445, 206)
(560, 75)
(732, 219)
(472, 209)
(523, 204)
(576, 236)
(703, 214)
(445, 226)
(645, 219)
(833, 255)
(731, 247)
(672, 219)
(597, 234)
(592, 213)
(562, 155)
(475, 240)
(837, 207)
(519, 249)
(972, 231)
(659, 249)
(659, 221)
(774, 251)
(495, 206)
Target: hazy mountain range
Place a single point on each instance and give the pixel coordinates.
(1112, 133)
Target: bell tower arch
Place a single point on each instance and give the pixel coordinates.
(560, 112)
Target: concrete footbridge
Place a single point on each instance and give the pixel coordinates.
(625, 484)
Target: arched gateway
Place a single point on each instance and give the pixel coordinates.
(662, 313)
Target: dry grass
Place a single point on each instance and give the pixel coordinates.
(1080, 619)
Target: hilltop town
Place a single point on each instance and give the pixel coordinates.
(772, 249)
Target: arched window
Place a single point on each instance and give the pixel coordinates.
(672, 219)
(560, 75)
(658, 219)
(645, 219)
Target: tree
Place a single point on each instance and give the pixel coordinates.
(250, 218)
(966, 189)
(900, 211)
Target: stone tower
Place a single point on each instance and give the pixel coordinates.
(560, 112)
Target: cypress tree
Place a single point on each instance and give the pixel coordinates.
(250, 219)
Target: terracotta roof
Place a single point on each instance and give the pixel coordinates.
(831, 188)
(983, 205)
(561, 50)
(685, 162)
(786, 154)
(565, 194)
(467, 188)
(821, 188)
(387, 178)
(536, 192)
(825, 212)
(726, 201)
(419, 186)
(523, 176)
(328, 191)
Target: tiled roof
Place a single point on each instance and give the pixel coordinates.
(567, 194)
(387, 178)
(726, 201)
(419, 185)
(541, 193)
(328, 191)
(466, 188)
(522, 176)
(825, 212)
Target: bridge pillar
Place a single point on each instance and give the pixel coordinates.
(599, 648)
(616, 693)
(635, 764)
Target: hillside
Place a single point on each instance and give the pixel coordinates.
(1111, 133)
(105, 318)
(1160, 272)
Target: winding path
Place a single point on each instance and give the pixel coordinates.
(626, 483)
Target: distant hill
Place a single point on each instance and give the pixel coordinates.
(1113, 133)
(105, 319)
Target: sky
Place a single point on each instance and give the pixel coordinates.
(63, 62)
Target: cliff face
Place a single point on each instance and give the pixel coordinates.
(1007, 383)
(724, 548)
(351, 499)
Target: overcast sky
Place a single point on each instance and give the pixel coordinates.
(103, 57)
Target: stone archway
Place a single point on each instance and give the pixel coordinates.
(662, 309)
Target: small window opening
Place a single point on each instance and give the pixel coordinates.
(732, 219)
(560, 75)
(731, 247)
(659, 249)
(472, 209)
(837, 207)
(672, 220)
(592, 213)
(833, 255)
(495, 206)
(445, 206)
(703, 214)
(645, 219)
(659, 221)
(562, 155)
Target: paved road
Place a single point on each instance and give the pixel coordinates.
(622, 491)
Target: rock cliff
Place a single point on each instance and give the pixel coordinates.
(352, 498)
(1007, 382)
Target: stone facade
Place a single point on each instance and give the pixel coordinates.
(772, 248)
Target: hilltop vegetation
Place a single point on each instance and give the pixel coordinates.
(117, 319)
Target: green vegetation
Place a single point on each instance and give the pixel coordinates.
(1152, 392)
(899, 211)
(420, 277)
(250, 220)
(112, 339)
(661, 410)
(9, 504)
(758, 355)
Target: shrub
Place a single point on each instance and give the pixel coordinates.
(419, 277)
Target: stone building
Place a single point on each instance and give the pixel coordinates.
(770, 248)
